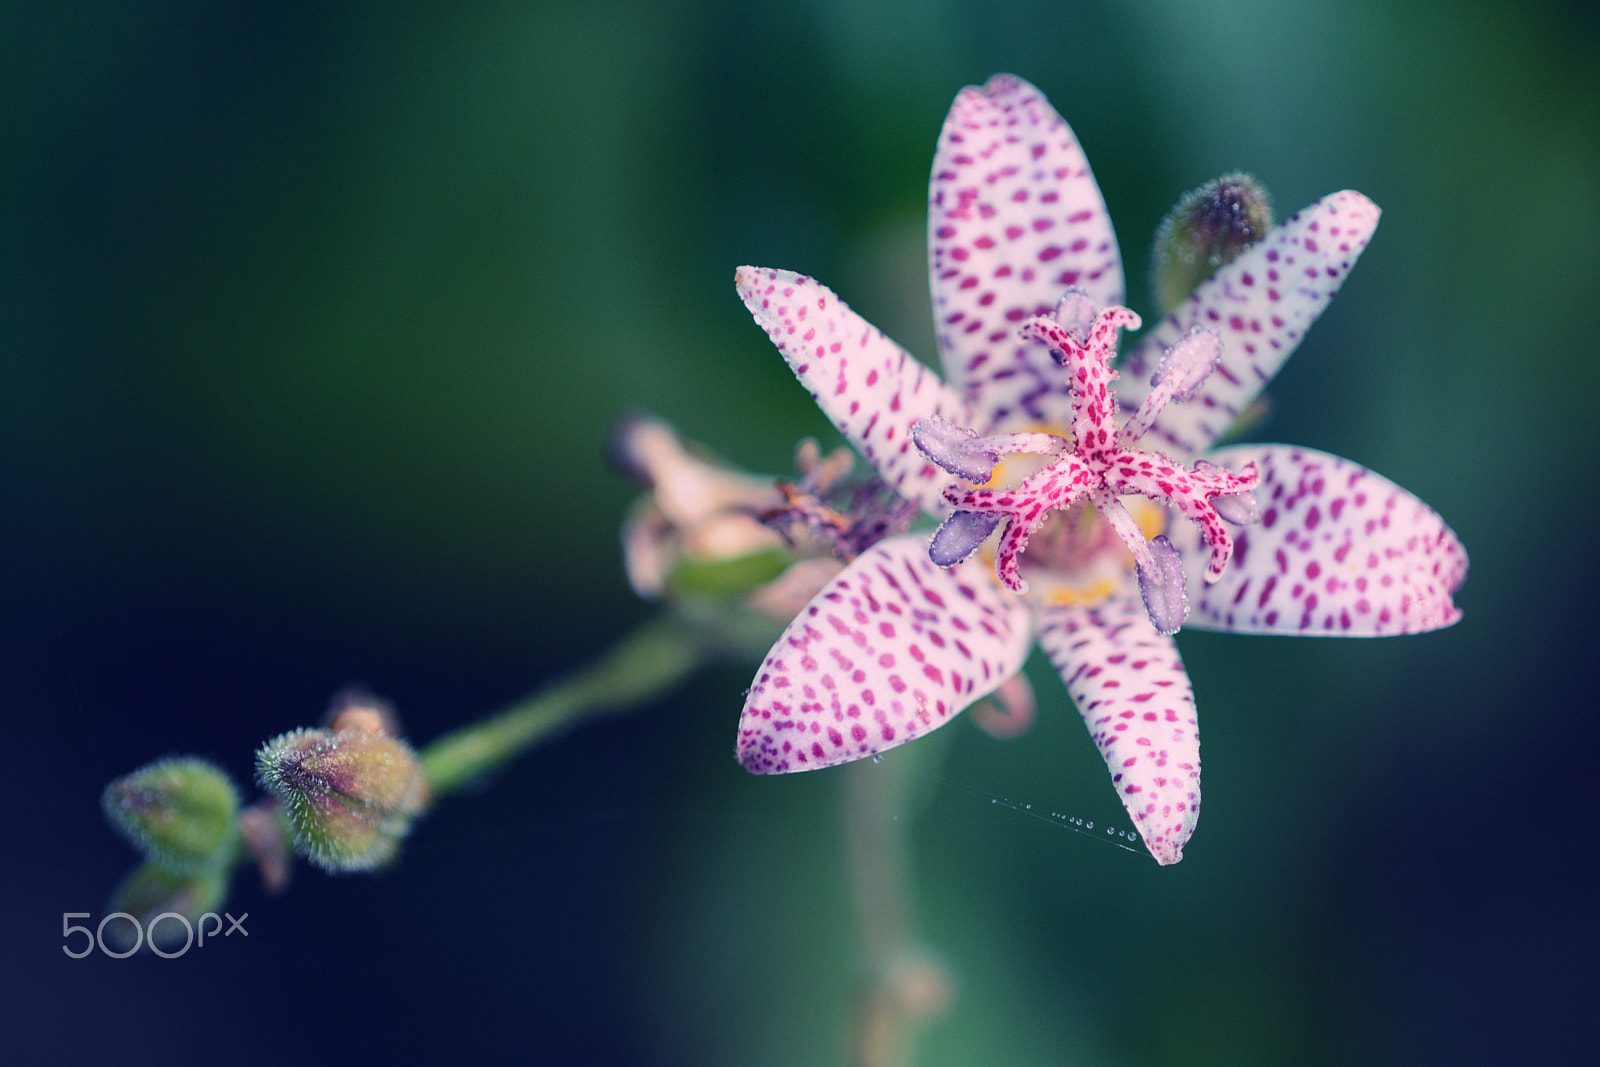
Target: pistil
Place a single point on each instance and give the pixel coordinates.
(1097, 463)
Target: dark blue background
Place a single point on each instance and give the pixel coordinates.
(315, 321)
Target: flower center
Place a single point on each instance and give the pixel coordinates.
(1096, 464)
(1076, 559)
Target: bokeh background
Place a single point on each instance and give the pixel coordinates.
(315, 319)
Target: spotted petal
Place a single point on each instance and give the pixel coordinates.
(1339, 551)
(1014, 218)
(1261, 305)
(891, 648)
(872, 389)
(1130, 686)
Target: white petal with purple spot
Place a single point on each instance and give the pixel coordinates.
(1014, 218)
(891, 648)
(1261, 305)
(872, 389)
(1134, 695)
(1339, 551)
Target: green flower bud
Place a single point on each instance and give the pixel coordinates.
(152, 890)
(1209, 227)
(181, 812)
(349, 796)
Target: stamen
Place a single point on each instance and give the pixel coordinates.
(1240, 509)
(1004, 443)
(1178, 377)
(955, 448)
(1189, 362)
(960, 535)
(1162, 586)
(1125, 525)
(963, 453)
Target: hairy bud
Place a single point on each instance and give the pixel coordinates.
(182, 813)
(150, 893)
(1209, 227)
(349, 796)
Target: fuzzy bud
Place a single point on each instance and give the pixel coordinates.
(349, 796)
(150, 891)
(1209, 227)
(182, 813)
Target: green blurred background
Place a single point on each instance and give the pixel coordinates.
(316, 318)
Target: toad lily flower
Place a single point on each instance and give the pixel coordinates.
(1027, 283)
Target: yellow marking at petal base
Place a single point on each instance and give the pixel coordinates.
(1097, 582)
(1066, 596)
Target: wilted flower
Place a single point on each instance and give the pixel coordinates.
(707, 529)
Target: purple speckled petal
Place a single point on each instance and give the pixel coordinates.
(891, 648)
(1014, 218)
(1261, 305)
(1130, 686)
(1339, 551)
(872, 389)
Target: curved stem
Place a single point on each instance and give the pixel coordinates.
(642, 666)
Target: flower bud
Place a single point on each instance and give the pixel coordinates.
(353, 708)
(265, 840)
(1209, 227)
(181, 812)
(151, 890)
(349, 795)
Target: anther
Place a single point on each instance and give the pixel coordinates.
(1178, 376)
(1161, 584)
(954, 448)
(960, 535)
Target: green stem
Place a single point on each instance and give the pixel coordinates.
(640, 667)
